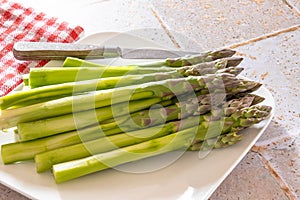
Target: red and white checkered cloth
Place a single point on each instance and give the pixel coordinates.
(19, 23)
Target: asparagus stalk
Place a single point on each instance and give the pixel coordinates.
(49, 76)
(81, 119)
(31, 130)
(11, 117)
(169, 62)
(54, 75)
(50, 92)
(77, 168)
(45, 160)
(188, 60)
(42, 94)
(193, 59)
(19, 151)
(164, 89)
(194, 106)
(25, 79)
(237, 121)
(175, 141)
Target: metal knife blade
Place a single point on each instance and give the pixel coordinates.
(59, 51)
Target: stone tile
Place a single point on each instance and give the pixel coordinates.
(275, 62)
(283, 157)
(8, 194)
(249, 180)
(213, 24)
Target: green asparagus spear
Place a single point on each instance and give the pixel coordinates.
(164, 89)
(49, 76)
(25, 79)
(77, 168)
(194, 59)
(178, 140)
(45, 160)
(86, 118)
(169, 62)
(50, 92)
(205, 57)
(19, 151)
(105, 144)
(237, 121)
(55, 75)
(31, 130)
(193, 106)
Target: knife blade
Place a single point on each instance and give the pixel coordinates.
(59, 51)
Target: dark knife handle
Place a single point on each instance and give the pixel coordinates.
(59, 51)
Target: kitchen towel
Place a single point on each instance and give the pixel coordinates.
(19, 23)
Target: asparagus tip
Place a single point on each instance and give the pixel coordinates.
(235, 61)
(223, 53)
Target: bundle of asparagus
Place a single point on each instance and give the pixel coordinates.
(104, 116)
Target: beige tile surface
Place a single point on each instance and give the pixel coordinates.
(214, 23)
(7, 194)
(275, 63)
(283, 160)
(250, 180)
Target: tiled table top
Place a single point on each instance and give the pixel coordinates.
(265, 32)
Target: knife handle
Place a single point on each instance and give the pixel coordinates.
(59, 51)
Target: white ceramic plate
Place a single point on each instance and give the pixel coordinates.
(188, 178)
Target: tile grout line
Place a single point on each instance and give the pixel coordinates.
(288, 192)
(160, 21)
(293, 8)
(263, 37)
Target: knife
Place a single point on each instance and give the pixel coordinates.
(59, 51)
